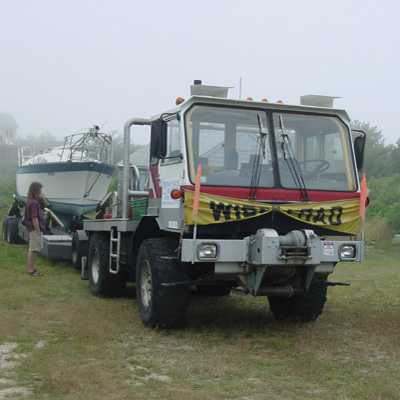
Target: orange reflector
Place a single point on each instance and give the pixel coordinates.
(179, 100)
(176, 194)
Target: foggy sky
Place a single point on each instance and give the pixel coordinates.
(66, 65)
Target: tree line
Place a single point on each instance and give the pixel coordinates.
(382, 167)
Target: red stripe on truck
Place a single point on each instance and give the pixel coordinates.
(276, 194)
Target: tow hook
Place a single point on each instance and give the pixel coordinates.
(338, 283)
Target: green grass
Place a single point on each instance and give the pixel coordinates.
(230, 349)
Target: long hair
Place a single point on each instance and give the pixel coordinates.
(34, 191)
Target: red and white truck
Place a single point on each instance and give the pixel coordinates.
(257, 196)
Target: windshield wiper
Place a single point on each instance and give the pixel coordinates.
(291, 160)
(257, 164)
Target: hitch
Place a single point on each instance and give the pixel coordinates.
(182, 283)
(337, 283)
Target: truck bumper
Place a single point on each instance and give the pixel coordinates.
(267, 248)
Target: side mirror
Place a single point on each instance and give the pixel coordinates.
(158, 145)
(163, 140)
(359, 138)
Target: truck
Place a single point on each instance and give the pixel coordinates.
(256, 196)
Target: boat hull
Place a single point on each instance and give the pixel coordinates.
(70, 187)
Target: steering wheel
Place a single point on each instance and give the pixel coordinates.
(321, 166)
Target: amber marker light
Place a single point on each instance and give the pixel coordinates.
(176, 194)
(179, 100)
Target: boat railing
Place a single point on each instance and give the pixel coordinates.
(91, 144)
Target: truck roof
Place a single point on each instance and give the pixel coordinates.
(207, 100)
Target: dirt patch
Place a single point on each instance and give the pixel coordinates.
(7, 356)
(9, 360)
(14, 393)
(143, 374)
(40, 344)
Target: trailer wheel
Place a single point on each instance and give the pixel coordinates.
(4, 229)
(101, 282)
(302, 308)
(11, 230)
(78, 251)
(156, 264)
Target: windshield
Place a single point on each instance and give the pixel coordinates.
(234, 147)
(231, 146)
(321, 149)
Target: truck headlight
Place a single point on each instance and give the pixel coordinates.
(207, 251)
(347, 252)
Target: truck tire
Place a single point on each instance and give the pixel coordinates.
(79, 249)
(301, 308)
(101, 282)
(11, 230)
(212, 290)
(160, 306)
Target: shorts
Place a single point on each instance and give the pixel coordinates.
(35, 241)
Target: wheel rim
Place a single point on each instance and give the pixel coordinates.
(146, 290)
(95, 268)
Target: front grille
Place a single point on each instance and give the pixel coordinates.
(237, 230)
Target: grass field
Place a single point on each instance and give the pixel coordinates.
(57, 341)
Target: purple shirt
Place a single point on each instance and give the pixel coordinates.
(33, 210)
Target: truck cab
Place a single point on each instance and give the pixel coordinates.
(252, 196)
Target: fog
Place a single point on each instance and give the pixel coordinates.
(66, 65)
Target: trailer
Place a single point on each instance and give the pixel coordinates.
(63, 240)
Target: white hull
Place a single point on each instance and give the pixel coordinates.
(75, 184)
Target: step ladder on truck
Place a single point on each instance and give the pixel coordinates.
(255, 196)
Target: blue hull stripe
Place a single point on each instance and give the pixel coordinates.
(65, 167)
(66, 208)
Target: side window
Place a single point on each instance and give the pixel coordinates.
(173, 139)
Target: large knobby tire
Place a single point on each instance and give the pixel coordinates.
(101, 282)
(301, 308)
(156, 264)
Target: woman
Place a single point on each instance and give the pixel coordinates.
(34, 221)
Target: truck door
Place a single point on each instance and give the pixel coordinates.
(166, 172)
